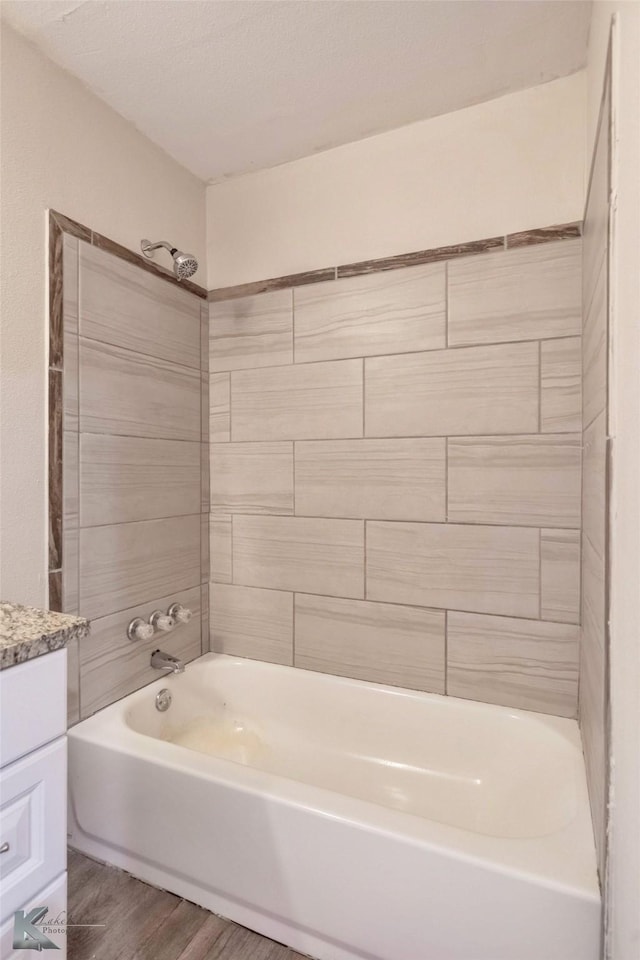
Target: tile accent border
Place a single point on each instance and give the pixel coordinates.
(560, 231)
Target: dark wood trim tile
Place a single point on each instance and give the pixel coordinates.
(55, 590)
(421, 256)
(56, 323)
(562, 231)
(67, 225)
(276, 283)
(110, 246)
(55, 470)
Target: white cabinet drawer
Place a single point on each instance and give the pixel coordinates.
(54, 898)
(33, 704)
(32, 824)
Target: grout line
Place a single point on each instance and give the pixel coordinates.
(224, 512)
(386, 436)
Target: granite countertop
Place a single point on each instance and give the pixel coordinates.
(26, 632)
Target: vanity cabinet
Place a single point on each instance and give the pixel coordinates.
(33, 790)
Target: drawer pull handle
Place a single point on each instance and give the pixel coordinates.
(5, 847)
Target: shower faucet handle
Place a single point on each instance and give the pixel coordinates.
(162, 621)
(139, 630)
(179, 613)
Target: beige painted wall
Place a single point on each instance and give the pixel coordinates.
(506, 165)
(622, 921)
(62, 148)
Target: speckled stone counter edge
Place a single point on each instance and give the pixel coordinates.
(26, 632)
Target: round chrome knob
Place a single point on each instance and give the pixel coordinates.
(139, 630)
(179, 613)
(161, 621)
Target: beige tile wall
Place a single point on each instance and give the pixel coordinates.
(136, 467)
(595, 336)
(396, 474)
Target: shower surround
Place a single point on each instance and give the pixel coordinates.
(396, 470)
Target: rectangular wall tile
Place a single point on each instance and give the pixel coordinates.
(529, 293)
(70, 571)
(594, 489)
(136, 478)
(70, 480)
(297, 553)
(254, 331)
(389, 312)
(205, 568)
(472, 390)
(373, 479)
(305, 402)
(204, 407)
(127, 563)
(73, 682)
(593, 686)
(561, 385)
(560, 575)
(379, 642)
(205, 478)
(220, 549)
(134, 395)
(517, 663)
(594, 348)
(251, 622)
(525, 480)
(112, 666)
(123, 305)
(252, 478)
(596, 219)
(219, 407)
(465, 567)
(204, 617)
(204, 337)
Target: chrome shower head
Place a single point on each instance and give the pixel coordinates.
(184, 265)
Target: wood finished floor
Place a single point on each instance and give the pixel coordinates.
(144, 923)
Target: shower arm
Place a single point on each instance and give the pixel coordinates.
(148, 247)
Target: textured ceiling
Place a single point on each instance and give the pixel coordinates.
(230, 86)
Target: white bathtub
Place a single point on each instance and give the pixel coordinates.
(346, 819)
